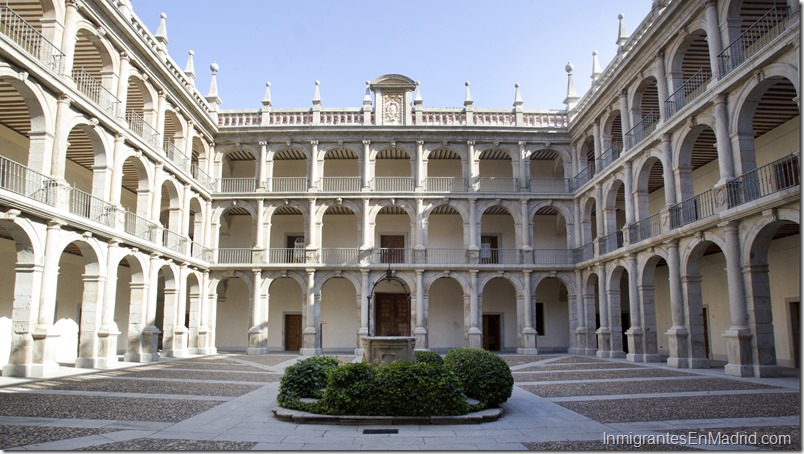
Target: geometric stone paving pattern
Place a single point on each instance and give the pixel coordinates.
(223, 402)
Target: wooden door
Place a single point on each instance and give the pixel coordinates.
(392, 314)
(295, 249)
(491, 332)
(489, 252)
(706, 331)
(392, 248)
(293, 332)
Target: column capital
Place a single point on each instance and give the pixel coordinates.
(471, 142)
(420, 142)
(263, 143)
(314, 143)
(256, 271)
(55, 224)
(659, 55)
(366, 142)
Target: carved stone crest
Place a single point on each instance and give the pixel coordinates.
(393, 106)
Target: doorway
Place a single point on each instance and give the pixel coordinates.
(491, 332)
(706, 331)
(392, 314)
(795, 332)
(293, 332)
(392, 248)
(489, 249)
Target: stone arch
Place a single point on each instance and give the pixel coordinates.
(216, 277)
(219, 209)
(145, 90)
(271, 276)
(270, 208)
(106, 53)
(288, 148)
(322, 277)
(567, 280)
(513, 209)
(460, 278)
(375, 151)
(326, 204)
(753, 234)
(405, 205)
(457, 206)
(515, 280)
(38, 106)
(682, 152)
(694, 249)
(562, 209)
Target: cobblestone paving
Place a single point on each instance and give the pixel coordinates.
(598, 445)
(124, 385)
(559, 367)
(149, 444)
(199, 375)
(13, 436)
(100, 407)
(698, 407)
(578, 359)
(207, 366)
(524, 359)
(271, 360)
(640, 387)
(592, 375)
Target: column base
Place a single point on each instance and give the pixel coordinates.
(310, 351)
(475, 338)
(635, 358)
(767, 371)
(141, 357)
(257, 351)
(420, 334)
(677, 344)
(612, 354)
(582, 351)
(95, 363)
(698, 363)
(652, 358)
(205, 351)
(738, 348)
(527, 351)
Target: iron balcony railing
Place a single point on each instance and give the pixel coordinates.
(646, 228)
(141, 227)
(30, 40)
(174, 241)
(391, 255)
(286, 184)
(583, 253)
(233, 255)
(140, 127)
(438, 256)
(583, 176)
(500, 256)
(90, 207)
(392, 184)
(202, 177)
(553, 257)
(339, 184)
(340, 256)
(202, 252)
(497, 184)
(445, 184)
(610, 155)
(757, 36)
(611, 242)
(551, 185)
(21, 180)
(96, 92)
(692, 88)
(642, 129)
(176, 156)
(693, 209)
(771, 178)
(286, 255)
(237, 185)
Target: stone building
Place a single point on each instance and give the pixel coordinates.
(656, 217)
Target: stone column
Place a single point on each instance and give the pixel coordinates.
(160, 118)
(366, 176)
(474, 167)
(529, 333)
(661, 83)
(524, 170)
(625, 118)
(258, 251)
(310, 335)
(636, 348)
(419, 183)
(474, 246)
(713, 36)
(56, 167)
(205, 345)
(69, 34)
(677, 334)
(261, 164)
(738, 336)
(597, 141)
(760, 319)
(312, 242)
(475, 333)
(108, 331)
(725, 158)
(44, 334)
(150, 334)
(525, 246)
(630, 215)
(604, 349)
(313, 169)
(257, 343)
(646, 298)
(420, 332)
(364, 307)
(180, 330)
(122, 82)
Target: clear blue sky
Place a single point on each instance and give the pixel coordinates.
(441, 43)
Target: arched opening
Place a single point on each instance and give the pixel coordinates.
(393, 170)
(591, 302)
(390, 305)
(496, 171)
(547, 172)
(650, 199)
(167, 313)
(235, 235)
(703, 282)
(129, 306)
(741, 15)
(15, 129)
(191, 319)
(173, 137)
(697, 164)
(288, 239)
(690, 70)
(339, 316)
(498, 236)
(655, 310)
(587, 162)
(341, 171)
(589, 222)
(392, 233)
(446, 236)
(86, 171)
(551, 240)
(285, 318)
(448, 325)
(170, 210)
(499, 306)
(612, 137)
(619, 310)
(77, 300)
(232, 315)
(8, 264)
(136, 192)
(238, 171)
(445, 171)
(93, 71)
(773, 297)
(551, 313)
(614, 218)
(141, 111)
(289, 171)
(645, 111)
(340, 236)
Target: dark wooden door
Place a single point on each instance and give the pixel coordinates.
(293, 332)
(795, 326)
(706, 331)
(491, 332)
(392, 312)
(392, 248)
(489, 252)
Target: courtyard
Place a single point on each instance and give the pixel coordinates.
(559, 402)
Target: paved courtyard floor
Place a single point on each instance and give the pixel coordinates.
(559, 402)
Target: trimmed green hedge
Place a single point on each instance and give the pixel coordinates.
(306, 378)
(483, 375)
(424, 356)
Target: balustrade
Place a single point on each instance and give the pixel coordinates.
(96, 92)
(339, 184)
(757, 36)
(21, 180)
(553, 257)
(611, 242)
(445, 184)
(141, 128)
(233, 255)
(176, 156)
(497, 184)
(447, 256)
(237, 185)
(141, 227)
(340, 256)
(646, 228)
(202, 177)
(286, 255)
(768, 179)
(583, 253)
(87, 206)
(609, 156)
(692, 88)
(642, 129)
(30, 40)
(551, 185)
(393, 184)
(693, 209)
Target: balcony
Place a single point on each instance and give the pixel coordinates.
(339, 184)
(583, 253)
(233, 255)
(553, 257)
(286, 255)
(763, 181)
(392, 184)
(445, 184)
(611, 242)
(391, 255)
(234, 185)
(87, 206)
(142, 129)
(141, 227)
(175, 242)
(447, 256)
(642, 129)
(21, 180)
(286, 184)
(693, 209)
(691, 89)
(340, 256)
(30, 40)
(96, 92)
(609, 156)
(583, 177)
(497, 184)
(752, 40)
(644, 229)
(500, 256)
(551, 185)
(202, 177)
(176, 156)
